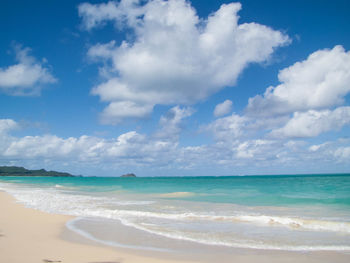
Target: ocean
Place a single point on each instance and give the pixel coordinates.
(289, 212)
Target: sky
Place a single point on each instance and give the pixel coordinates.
(175, 88)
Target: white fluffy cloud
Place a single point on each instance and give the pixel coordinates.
(223, 108)
(228, 128)
(175, 57)
(7, 125)
(342, 154)
(319, 82)
(313, 123)
(93, 15)
(133, 150)
(337, 151)
(171, 122)
(257, 149)
(303, 105)
(25, 78)
(117, 110)
(130, 148)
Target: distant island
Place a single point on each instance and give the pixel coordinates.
(20, 171)
(128, 175)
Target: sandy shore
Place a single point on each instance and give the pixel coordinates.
(31, 236)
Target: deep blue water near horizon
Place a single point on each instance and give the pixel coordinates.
(288, 212)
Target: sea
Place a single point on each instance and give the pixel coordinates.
(272, 212)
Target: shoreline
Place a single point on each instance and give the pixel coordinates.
(32, 236)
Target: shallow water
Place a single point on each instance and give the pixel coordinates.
(297, 213)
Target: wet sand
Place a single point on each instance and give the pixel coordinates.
(31, 236)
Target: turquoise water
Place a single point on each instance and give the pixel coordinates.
(293, 212)
(244, 190)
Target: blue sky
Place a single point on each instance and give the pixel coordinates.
(175, 87)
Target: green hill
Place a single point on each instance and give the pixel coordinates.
(20, 171)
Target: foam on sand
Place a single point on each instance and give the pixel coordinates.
(191, 222)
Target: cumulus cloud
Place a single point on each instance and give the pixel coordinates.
(223, 108)
(313, 123)
(228, 128)
(128, 149)
(303, 106)
(7, 125)
(175, 57)
(337, 151)
(27, 76)
(93, 16)
(133, 150)
(116, 111)
(319, 82)
(342, 154)
(256, 149)
(172, 121)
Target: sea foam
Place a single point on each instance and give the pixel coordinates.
(149, 216)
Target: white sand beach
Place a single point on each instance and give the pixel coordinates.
(31, 236)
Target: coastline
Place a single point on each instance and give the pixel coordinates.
(32, 236)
